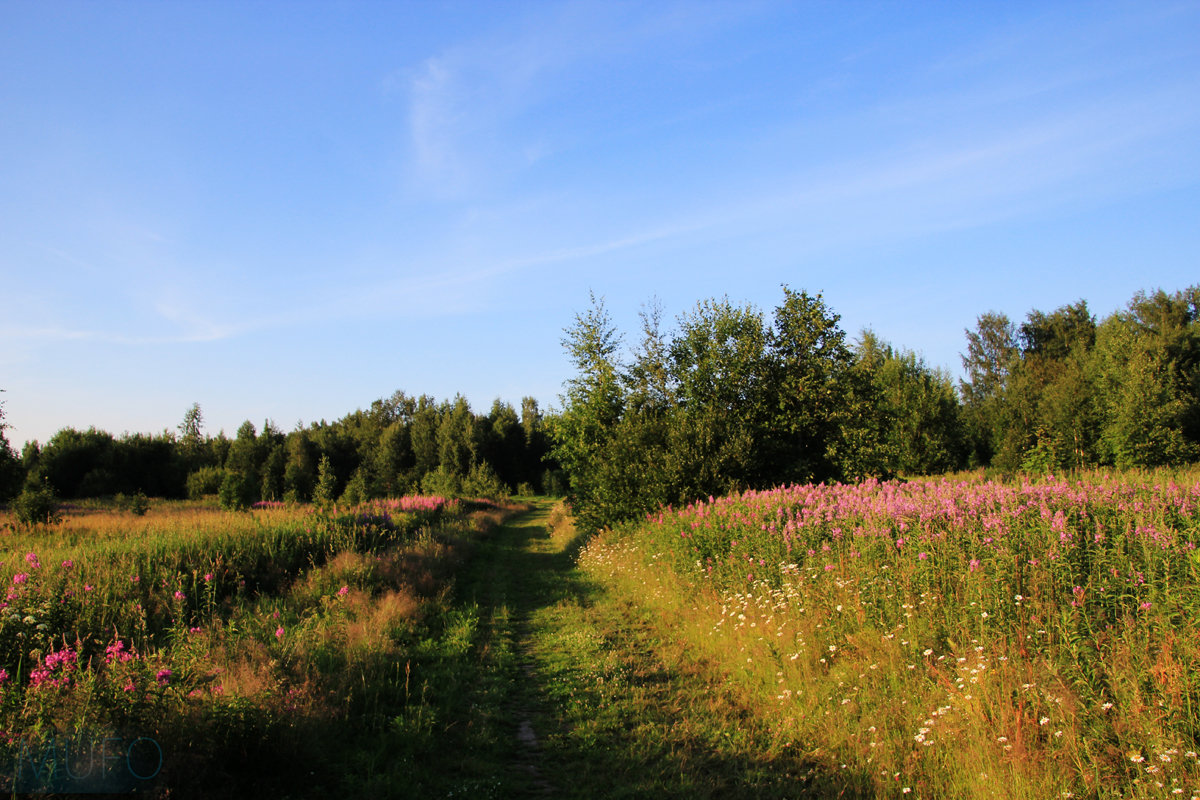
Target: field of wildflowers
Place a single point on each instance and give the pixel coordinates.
(208, 653)
(948, 638)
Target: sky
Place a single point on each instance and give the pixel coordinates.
(286, 210)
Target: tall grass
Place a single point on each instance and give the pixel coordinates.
(240, 645)
(950, 637)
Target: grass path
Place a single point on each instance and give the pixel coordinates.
(582, 694)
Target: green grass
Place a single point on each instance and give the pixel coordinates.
(959, 639)
(699, 654)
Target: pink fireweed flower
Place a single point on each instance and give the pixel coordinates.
(342, 592)
(974, 565)
(67, 564)
(195, 630)
(279, 633)
(180, 595)
(922, 556)
(208, 576)
(20, 578)
(163, 677)
(3, 675)
(116, 653)
(1146, 606)
(55, 669)
(135, 578)
(33, 560)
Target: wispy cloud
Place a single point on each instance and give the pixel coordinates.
(468, 103)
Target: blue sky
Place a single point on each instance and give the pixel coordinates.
(287, 210)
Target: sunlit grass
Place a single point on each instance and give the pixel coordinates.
(243, 644)
(956, 638)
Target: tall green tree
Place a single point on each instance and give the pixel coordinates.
(920, 425)
(191, 439)
(456, 438)
(394, 460)
(719, 383)
(991, 353)
(300, 467)
(592, 407)
(809, 388)
(1148, 375)
(423, 434)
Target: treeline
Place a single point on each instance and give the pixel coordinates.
(730, 399)
(399, 445)
(1062, 391)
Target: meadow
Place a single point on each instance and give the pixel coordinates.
(198, 652)
(954, 637)
(945, 637)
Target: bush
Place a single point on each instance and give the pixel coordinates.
(204, 481)
(36, 504)
(235, 493)
(326, 489)
(137, 504)
(356, 490)
(441, 482)
(482, 481)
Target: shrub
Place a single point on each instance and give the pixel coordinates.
(204, 481)
(36, 504)
(137, 503)
(441, 482)
(235, 492)
(482, 481)
(356, 490)
(326, 489)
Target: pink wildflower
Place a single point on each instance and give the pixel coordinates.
(922, 556)
(342, 592)
(279, 633)
(33, 560)
(1146, 606)
(20, 578)
(163, 677)
(180, 595)
(67, 564)
(974, 565)
(116, 652)
(208, 576)
(48, 672)
(3, 675)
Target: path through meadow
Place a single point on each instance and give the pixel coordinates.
(599, 701)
